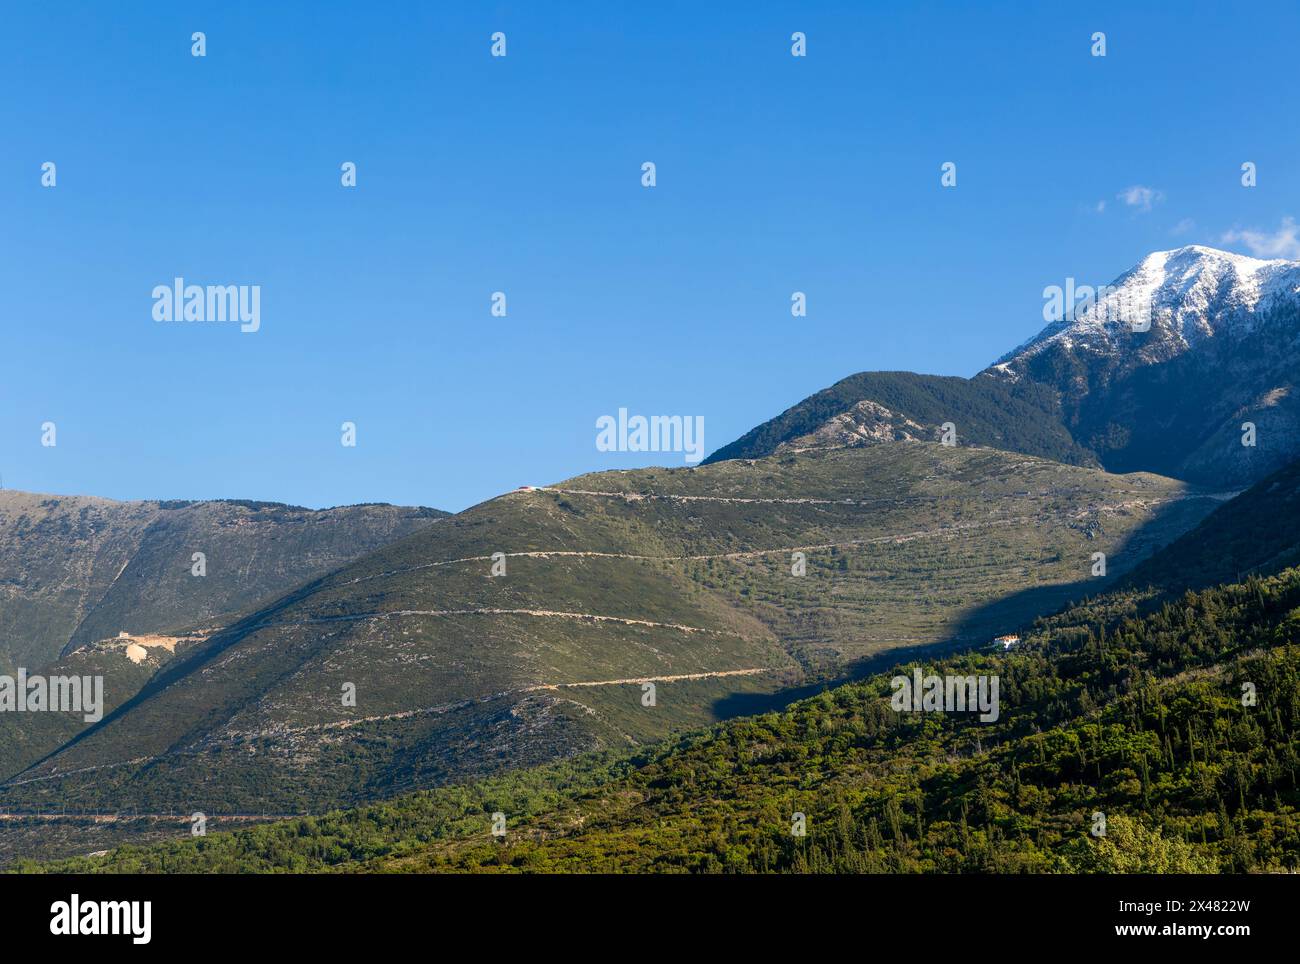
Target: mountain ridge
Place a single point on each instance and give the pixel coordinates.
(680, 576)
(1217, 351)
(1011, 418)
(76, 569)
(1203, 290)
(843, 530)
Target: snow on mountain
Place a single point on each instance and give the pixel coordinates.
(1190, 293)
(1187, 365)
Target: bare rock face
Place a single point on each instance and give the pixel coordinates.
(866, 423)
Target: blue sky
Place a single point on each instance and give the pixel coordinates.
(522, 174)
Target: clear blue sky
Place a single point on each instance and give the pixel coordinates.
(522, 174)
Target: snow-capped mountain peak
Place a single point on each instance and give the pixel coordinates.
(1189, 293)
(1188, 364)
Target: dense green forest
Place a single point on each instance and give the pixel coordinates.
(1174, 718)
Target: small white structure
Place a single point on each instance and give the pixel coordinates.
(1006, 642)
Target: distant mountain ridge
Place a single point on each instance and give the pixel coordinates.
(76, 569)
(1194, 293)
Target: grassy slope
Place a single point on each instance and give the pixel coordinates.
(57, 557)
(1105, 709)
(907, 545)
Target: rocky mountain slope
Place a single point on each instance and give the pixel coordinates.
(74, 569)
(1222, 349)
(125, 664)
(1256, 533)
(1217, 346)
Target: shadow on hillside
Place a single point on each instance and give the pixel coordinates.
(179, 668)
(1013, 613)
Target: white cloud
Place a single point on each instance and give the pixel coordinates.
(1183, 226)
(1141, 197)
(1101, 207)
(1282, 243)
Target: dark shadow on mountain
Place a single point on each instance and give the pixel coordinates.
(1011, 614)
(183, 665)
(751, 704)
(1015, 613)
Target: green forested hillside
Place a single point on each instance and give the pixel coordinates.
(1110, 707)
(988, 412)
